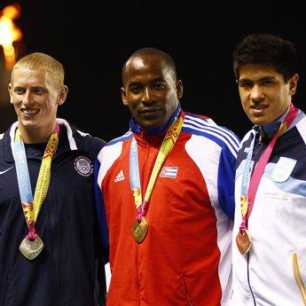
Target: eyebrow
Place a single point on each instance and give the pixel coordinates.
(260, 79)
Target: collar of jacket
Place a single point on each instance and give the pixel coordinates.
(266, 131)
(156, 131)
(67, 141)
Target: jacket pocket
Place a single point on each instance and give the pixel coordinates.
(187, 292)
(9, 289)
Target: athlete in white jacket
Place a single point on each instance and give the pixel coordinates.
(269, 249)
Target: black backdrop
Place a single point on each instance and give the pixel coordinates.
(93, 38)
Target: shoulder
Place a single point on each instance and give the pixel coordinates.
(205, 127)
(79, 140)
(4, 143)
(301, 124)
(247, 137)
(1, 137)
(245, 144)
(113, 148)
(120, 139)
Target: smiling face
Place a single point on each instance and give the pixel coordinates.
(35, 96)
(150, 90)
(264, 94)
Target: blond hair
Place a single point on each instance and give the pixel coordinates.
(42, 61)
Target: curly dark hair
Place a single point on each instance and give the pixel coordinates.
(266, 49)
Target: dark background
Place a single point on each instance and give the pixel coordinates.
(94, 38)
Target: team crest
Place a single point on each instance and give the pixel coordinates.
(83, 166)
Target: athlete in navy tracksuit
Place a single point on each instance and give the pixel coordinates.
(66, 224)
(65, 272)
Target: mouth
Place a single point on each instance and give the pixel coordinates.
(29, 113)
(150, 113)
(258, 109)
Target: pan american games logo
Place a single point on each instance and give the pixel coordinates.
(83, 166)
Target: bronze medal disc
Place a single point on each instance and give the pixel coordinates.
(30, 249)
(139, 230)
(244, 242)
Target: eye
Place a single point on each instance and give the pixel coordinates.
(245, 84)
(267, 82)
(159, 85)
(135, 88)
(38, 91)
(19, 90)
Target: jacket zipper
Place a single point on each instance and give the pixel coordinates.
(248, 277)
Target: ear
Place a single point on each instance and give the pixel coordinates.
(10, 92)
(179, 89)
(293, 81)
(63, 95)
(123, 96)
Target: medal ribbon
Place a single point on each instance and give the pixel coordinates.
(166, 147)
(248, 194)
(30, 207)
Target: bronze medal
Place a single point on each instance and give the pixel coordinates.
(139, 230)
(244, 242)
(30, 249)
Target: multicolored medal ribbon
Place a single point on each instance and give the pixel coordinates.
(140, 228)
(250, 183)
(32, 245)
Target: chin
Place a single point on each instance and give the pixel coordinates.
(153, 124)
(26, 122)
(260, 121)
(30, 124)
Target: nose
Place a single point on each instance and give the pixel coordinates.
(256, 93)
(146, 96)
(26, 98)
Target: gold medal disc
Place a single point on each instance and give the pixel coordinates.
(244, 242)
(139, 230)
(30, 249)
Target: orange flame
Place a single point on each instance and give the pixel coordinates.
(9, 33)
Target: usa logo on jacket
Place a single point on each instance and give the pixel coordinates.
(83, 166)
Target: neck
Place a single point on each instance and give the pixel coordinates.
(35, 135)
(135, 127)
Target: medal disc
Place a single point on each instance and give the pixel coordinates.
(244, 242)
(30, 249)
(139, 230)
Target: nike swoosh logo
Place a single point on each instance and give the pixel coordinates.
(6, 170)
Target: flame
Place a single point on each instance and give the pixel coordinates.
(9, 33)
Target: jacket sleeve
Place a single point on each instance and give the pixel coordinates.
(226, 181)
(103, 229)
(103, 251)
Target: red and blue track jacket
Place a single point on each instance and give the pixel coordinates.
(185, 258)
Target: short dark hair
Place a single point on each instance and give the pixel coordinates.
(152, 51)
(266, 49)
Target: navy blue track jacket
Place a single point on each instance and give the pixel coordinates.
(64, 274)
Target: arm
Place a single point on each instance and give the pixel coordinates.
(226, 181)
(102, 238)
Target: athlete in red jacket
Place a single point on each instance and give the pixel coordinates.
(167, 189)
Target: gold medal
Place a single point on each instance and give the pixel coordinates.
(139, 230)
(244, 242)
(30, 249)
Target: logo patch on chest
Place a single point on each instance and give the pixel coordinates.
(120, 177)
(169, 172)
(83, 166)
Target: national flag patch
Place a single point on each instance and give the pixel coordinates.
(169, 172)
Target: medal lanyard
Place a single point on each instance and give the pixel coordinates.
(250, 183)
(166, 147)
(30, 207)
